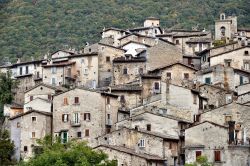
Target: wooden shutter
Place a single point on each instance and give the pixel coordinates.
(217, 156)
(197, 153)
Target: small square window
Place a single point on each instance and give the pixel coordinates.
(25, 148)
(79, 134)
(107, 59)
(246, 53)
(33, 118)
(87, 116)
(125, 71)
(186, 76)
(169, 75)
(177, 42)
(148, 127)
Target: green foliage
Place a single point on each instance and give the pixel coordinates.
(6, 148)
(74, 153)
(200, 161)
(218, 43)
(33, 28)
(6, 85)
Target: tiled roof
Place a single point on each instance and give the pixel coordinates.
(172, 64)
(59, 64)
(56, 88)
(199, 40)
(28, 112)
(129, 60)
(132, 152)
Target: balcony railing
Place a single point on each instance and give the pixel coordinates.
(75, 123)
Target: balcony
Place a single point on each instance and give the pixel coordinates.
(74, 123)
(37, 78)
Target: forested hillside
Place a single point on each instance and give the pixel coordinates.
(35, 27)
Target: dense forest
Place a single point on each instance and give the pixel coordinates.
(32, 28)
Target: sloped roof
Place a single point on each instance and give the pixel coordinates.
(28, 112)
(172, 64)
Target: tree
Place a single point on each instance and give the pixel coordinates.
(200, 161)
(6, 85)
(73, 153)
(6, 148)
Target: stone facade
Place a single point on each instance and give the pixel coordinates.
(163, 53)
(177, 73)
(26, 128)
(237, 58)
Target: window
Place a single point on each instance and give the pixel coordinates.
(217, 156)
(223, 30)
(177, 42)
(107, 59)
(157, 86)
(65, 117)
(197, 154)
(208, 80)
(87, 116)
(53, 70)
(53, 81)
(186, 76)
(141, 143)
(228, 62)
(241, 80)
(168, 75)
(246, 53)
(33, 135)
(31, 98)
(125, 71)
(33, 118)
(89, 49)
(65, 101)
(108, 100)
(49, 97)
(149, 127)
(76, 100)
(86, 71)
(18, 124)
(25, 148)
(21, 71)
(228, 118)
(76, 118)
(26, 69)
(86, 132)
(246, 65)
(79, 134)
(194, 99)
(122, 99)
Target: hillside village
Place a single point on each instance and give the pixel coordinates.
(145, 96)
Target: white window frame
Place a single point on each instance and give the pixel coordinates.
(53, 70)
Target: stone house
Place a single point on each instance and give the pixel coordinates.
(188, 41)
(127, 69)
(238, 58)
(12, 109)
(83, 114)
(26, 128)
(235, 112)
(143, 142)
(162, 53)
(225, 27)
(220, 75)
(151, 27)
(114, 33)
(106, 54)
(129, 157)
(184, 98)
(192, 60)
(217, 96)
(149, 40)
(211, 140)
(28, 74)
(176, 73)
(205, 54)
